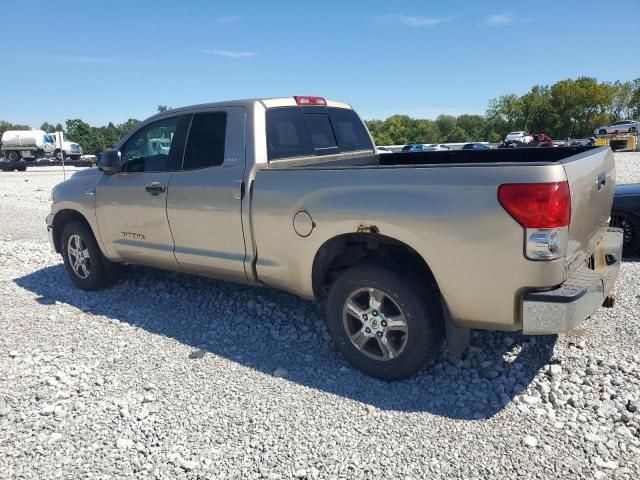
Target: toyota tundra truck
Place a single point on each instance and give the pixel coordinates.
(404, 249)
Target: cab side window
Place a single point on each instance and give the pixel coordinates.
(153, 148)
(205, 145)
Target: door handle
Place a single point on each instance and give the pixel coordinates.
(602, 181)
(154, 188)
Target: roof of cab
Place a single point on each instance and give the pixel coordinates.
(267, 102)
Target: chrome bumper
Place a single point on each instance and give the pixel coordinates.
(567, 306)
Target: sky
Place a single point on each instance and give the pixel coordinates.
(110, 60)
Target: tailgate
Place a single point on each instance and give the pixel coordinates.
(591, 177)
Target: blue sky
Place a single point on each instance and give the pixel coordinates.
(109, 60)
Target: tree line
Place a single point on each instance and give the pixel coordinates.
(567, 109)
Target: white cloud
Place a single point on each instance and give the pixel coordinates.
(499, 19)
(412, 20)
(230, 53)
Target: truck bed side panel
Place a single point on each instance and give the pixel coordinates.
(449, 214)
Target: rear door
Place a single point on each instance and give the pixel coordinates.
(591, 177)
(131, 204)
(204, 205)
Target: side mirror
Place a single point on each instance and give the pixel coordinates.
(110, 162)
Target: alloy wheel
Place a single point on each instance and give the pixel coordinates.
(375, 324)
(78, 255)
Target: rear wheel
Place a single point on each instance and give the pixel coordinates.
(83, 260)
(602, 131)
(382, 322)
(630, 225)
(13, 156)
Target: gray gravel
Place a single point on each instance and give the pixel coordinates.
(172, 376)
(627, 167)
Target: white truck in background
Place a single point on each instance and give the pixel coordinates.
(28, 145)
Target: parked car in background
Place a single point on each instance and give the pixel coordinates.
(7, 165)
(415, 147)
(437, 148)
(399, 254)
(476, 146)
(625, 214)
(519, 136)
(623, 126)
(383, 150)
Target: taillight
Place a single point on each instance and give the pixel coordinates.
(310, 101)
(537, 205)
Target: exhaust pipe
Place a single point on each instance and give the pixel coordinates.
(610, 301)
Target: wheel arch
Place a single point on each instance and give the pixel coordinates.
(348, 249)
(62, 218)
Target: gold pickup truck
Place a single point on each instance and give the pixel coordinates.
(405, 248)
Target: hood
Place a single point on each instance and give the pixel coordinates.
(87, 172)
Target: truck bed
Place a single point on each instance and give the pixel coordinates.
(502, 155)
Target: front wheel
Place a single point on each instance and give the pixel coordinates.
(602, 132)
(83, 260)
(385, 324)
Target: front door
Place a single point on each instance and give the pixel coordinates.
(204, 203)
(131, 205)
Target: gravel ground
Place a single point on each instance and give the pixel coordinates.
(627, 167)
(172, 376)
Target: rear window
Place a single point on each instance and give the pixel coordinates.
(298, 132)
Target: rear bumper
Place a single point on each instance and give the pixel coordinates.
(579, 297)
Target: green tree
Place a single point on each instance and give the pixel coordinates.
(580, 105)
(621, 105)
(537, 111)
(473, 125)
(505, 114)
(446, 124)
(458, 135)
(48, 127)
(634, 101)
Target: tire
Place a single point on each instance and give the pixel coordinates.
(75, 158)
(22, 169)
(414, 310)
(91, 273)
(59, 154)
(602, 131)
(630, 224)
(13, 156)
